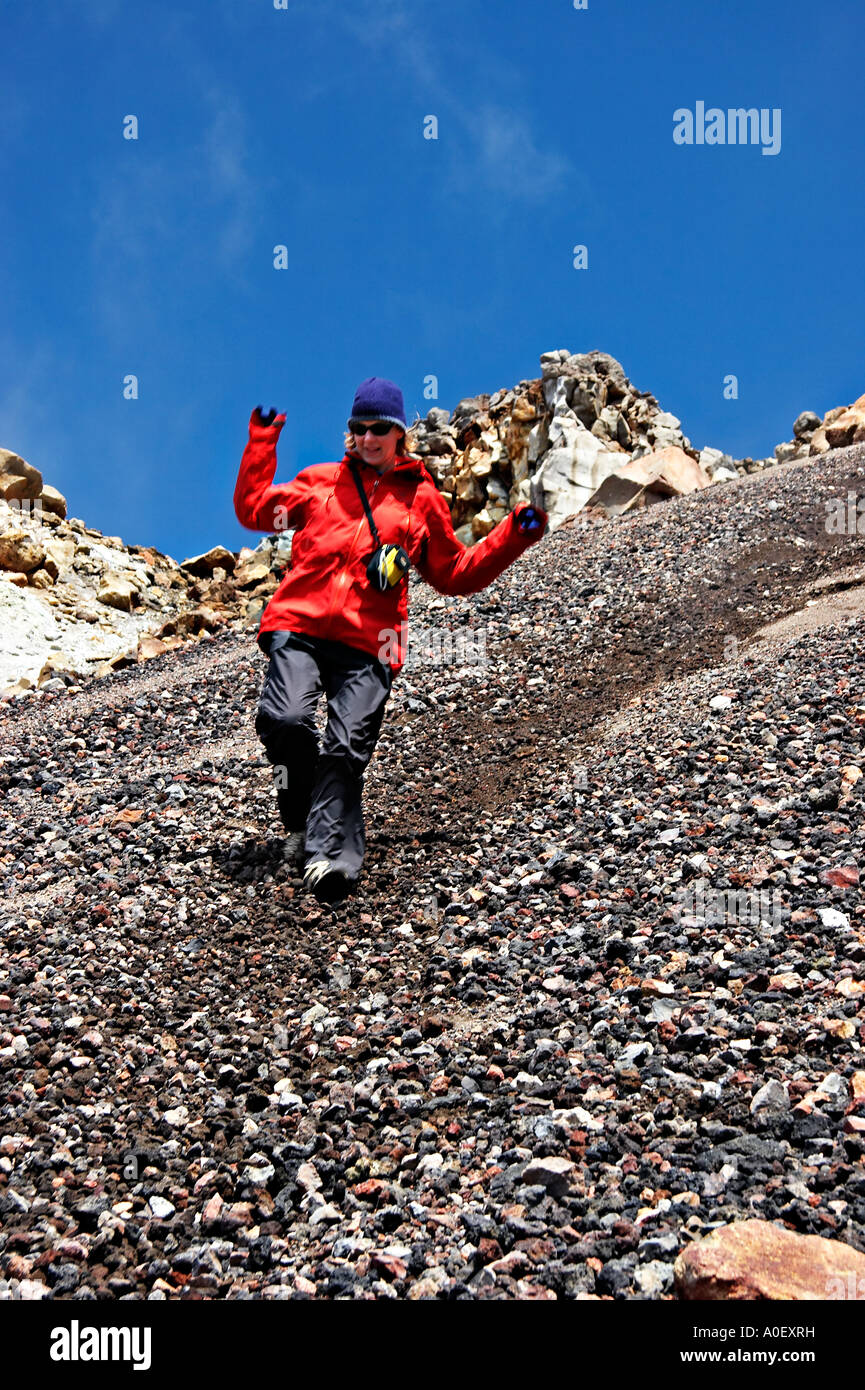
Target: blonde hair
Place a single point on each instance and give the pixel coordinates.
(406, 446)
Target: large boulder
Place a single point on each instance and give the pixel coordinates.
(53, 501)
(670, 469)
(19, 551)
(17, 478)
(758, 1260)
(649, 478)
(202, 566)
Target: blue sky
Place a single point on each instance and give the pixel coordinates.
(408, 257)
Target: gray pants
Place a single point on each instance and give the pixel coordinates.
(319, 790)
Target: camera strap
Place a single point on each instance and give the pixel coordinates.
(365, 500)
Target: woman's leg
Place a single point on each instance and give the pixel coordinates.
(358, 687)
(285, 723)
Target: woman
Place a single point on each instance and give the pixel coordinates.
(338, 621)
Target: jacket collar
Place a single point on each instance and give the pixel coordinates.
(404, 465)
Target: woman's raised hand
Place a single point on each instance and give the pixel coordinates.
(531, 520)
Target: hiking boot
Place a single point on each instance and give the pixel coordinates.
(329, 884)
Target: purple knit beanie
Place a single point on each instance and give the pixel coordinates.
(378, 399)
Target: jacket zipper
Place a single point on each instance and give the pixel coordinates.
(344, 571)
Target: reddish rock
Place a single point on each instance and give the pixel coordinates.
(758, 1260)
(489, 1249)
(212, 1211)
(389, 1265)
(845, 877)
(372, 1190)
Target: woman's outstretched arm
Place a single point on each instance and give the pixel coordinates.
(453, 568)
(258, 504)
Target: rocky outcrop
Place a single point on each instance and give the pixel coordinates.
(75, 603)
(839, 427)
(663, 473)
(555, 440)
(551, 441)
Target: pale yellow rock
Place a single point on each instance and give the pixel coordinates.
(10, 691)
(848, 427)
(149, 647)
(818, 444)
(20, 551)
(53, 501)
(118, 592)
(523, 409)
(41, 579)
(480, 462)
(59, 555)
(18, 478)
(250, 572)
(204, 565)
(468, 488)
(57, 665)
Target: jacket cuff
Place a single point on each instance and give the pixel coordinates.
(265, 432)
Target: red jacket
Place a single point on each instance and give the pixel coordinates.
(326, 592)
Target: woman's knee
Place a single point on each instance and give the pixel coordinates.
(283, 725)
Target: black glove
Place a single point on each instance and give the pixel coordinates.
(260, 418)
(531, 519)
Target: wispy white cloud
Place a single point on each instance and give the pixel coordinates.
(232, 187)
(490, 148)
(155, 202)
(507, 158)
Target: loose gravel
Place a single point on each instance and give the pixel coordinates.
(599, 991)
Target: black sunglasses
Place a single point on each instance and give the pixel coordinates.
(378, 427)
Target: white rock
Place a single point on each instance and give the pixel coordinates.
(289, 1101)
(548, 1172)
(831, 917)
(161, 1208)
(772, 1096)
